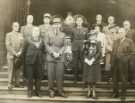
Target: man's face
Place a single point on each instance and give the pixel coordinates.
(111, 20)
(57, 23)
(30, 19)
(122, 33)
(46, 20)
(15, 27)
(97, 29)
(126, 25)
(79, 21)
(69, 20)
(99, 18)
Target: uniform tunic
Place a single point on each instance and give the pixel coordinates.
(14, 44)
(27, 32)
(79, 35)
(92, 73)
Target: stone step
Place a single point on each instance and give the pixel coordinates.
(4, 74)
(11, 98)
(69, 83)
(71, 91)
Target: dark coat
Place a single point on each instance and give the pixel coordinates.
(92, 73)
(131, 35)
(33, 61)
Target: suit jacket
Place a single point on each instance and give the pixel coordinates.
(33, 54)
(122, 50)
(55, 43)
(14, 43)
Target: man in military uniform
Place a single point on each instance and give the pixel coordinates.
(55, 58)
(122, 50)
(26, 30)
(110, 36)
(131, 35)
(45, 30)
(14, 45)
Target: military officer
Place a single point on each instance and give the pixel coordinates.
(45, 30)
(14, 45)
(110, 36)
(79, 35)
(131, 35)
(55, 58)
(122, 50)
(26, 30)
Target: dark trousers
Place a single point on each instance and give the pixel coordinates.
(120, 72)
(55, 72)
(77, 63)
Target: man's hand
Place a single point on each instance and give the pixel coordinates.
(56, 55)
(18, 54)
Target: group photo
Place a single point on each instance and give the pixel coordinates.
(57, 56)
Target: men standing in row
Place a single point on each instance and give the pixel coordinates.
(122, 51)
(55, 58)
(14, 45)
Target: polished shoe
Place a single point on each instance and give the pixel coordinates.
(94, 95)
(18, 85)
(10, 87)
(38, 93)
(89, 94)
(51, 94)
(62, 94)
(29, 94)
(115, 95)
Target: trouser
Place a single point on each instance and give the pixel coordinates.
(13, 73)
(55, 72)
(77, 63)
(120, 72)
(108, 61)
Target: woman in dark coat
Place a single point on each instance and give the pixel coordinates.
(92, 71)
(33, 62)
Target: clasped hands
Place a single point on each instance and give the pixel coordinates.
(89, 62)
(56, 55)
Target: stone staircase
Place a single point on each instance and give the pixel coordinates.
(76, 92)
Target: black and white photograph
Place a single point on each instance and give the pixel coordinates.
(67, 51)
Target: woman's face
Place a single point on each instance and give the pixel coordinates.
(69, 20)
(79, 21)
(47, 20)
(111, 20)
